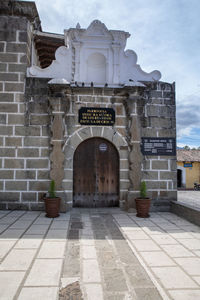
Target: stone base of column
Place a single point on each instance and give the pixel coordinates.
(130, 202)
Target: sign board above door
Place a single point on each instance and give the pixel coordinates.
(96, 116)
(188, 165)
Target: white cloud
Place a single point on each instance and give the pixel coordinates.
(182, 145)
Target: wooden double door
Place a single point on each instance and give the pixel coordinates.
(96, 174)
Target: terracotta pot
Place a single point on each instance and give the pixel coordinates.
(142, 207)
(52, 207)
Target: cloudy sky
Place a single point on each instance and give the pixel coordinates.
(165, 34)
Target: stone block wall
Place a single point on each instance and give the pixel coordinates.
(147, 111)
(135, 107)
(160, 172)
(18, 156)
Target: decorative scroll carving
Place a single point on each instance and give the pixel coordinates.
(71, 61)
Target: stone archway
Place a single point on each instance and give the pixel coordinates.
(101, 132)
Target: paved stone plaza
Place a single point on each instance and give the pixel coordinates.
(98, 254)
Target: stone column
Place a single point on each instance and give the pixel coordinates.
(58, 108)
(134, 140)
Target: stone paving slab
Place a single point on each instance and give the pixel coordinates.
(94, 291)
(44, 272)
(145, 245)
(12, 234)
(185, 294)
(176, 251)
(103, 254)
(29, 242)
(43, 293)
(5, 246)
(57, 234)
(91, 272)
(157, 259)
(173, 277)
(191, 244)
(18, 260)
(38, 229)
(9, 283)
(22, 224)
(52, 249)
(190, 264)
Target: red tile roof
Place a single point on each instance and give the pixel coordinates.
(188, 155)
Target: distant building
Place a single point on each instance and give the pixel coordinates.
(188, 168)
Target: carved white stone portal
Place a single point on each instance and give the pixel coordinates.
(96, 55)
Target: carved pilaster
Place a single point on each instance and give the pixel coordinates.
(57, 138)
(134, 139)
(58, 107)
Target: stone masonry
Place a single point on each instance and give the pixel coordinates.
(39, 129)
(20, 155)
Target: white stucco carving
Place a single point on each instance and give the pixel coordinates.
(95, 55)
(60, 68)
(58, 81)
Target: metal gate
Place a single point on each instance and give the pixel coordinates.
(96, 174)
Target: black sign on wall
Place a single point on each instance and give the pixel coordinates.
(158, 146)
(96, 116)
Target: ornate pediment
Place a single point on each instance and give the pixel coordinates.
(97, 29)
(96, 55)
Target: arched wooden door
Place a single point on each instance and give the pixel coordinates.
(96, 174)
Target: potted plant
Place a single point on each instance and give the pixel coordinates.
(143, 202)
(52, 203)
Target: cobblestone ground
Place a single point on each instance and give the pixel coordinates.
(98, 254)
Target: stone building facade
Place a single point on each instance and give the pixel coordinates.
(40, 127)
